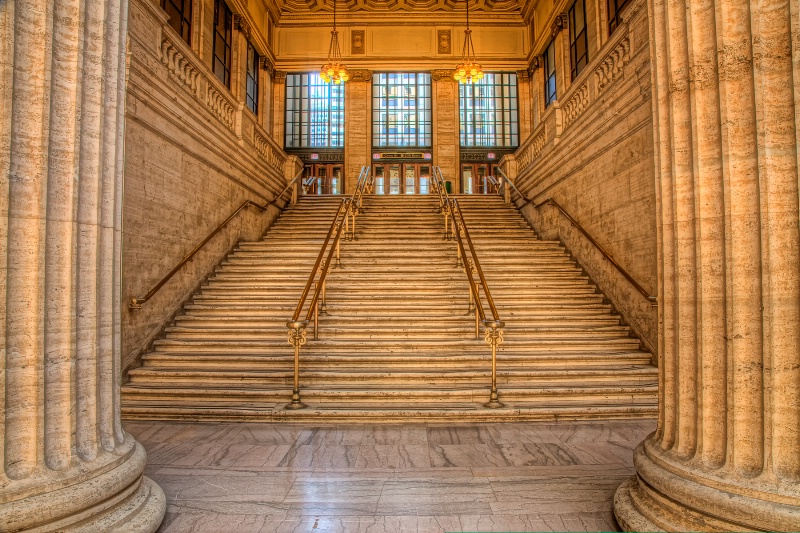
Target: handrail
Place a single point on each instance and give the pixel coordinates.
(136, 303)
(297, 327)
(575, 223)
(493, 328)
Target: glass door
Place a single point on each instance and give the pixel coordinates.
(323, 178)
(424, 179)
(411, 179)
(394, 179)
(466, 178)
(478, 178)
(380, 185)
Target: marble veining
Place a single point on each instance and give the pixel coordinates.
(419, 478)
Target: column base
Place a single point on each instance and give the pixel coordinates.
(659, 499)
(107, 494)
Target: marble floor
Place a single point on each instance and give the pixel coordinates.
(364, 478)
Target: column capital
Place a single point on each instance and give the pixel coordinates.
(279, 76)
(361, 75)
(442, 75)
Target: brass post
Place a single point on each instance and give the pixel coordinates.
(316, 320)
(477, 324)
(324, 309)
(297, 338)
(338, 255)
(494, 337)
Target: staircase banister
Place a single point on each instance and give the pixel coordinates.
(136, 303)
(481, 276)
(343, 207)
(602, 250)
(575, 223)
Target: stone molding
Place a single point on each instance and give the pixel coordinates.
(394, 6)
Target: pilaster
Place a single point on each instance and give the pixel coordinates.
(358, 133)
(445, 126)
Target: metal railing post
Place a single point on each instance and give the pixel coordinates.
(494, 337)
(297, 338)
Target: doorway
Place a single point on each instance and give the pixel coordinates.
(479, 178)
(323, 178)
(402, 178)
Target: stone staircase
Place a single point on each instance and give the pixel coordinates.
(397, 341)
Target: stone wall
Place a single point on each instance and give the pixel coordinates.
(592, 152)
(193, 155)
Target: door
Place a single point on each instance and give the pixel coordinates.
(478, 178)
(402, 178)
(323, 178)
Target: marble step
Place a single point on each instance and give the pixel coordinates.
(566, 362)
(377, 413)
(427, 345)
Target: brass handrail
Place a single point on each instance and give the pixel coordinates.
(136, 303)
(576, 224)
(357, 205)
(297, 327)
(493, 328)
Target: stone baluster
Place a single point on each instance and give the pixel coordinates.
(726, 454)
(67, 463)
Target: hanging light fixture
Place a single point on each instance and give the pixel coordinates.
(334, 71)
(468, 71)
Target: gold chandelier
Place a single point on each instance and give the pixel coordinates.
(334, 71)
(468, 71)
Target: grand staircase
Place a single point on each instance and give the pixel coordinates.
(397, 341)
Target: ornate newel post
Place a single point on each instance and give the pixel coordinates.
(726, 454)
(67, 463)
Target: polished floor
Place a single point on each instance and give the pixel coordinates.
(421, 478)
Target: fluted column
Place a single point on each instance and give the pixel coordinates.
(726, 454)
(67, 463)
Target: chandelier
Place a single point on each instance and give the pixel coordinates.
(334, 71)
(468, 71)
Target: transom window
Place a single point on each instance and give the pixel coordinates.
(614, 20)
(578, 40)
(180, 17)
(252, 79)
(314, 112)
(223, 37)
(488, 111)
(550, 73)
(401, 109)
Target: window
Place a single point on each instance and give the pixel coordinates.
(223, 36)
(180, 17)
(614, 7)
(578, 40)
(314, 112)
(550, 73)
(488, 111)
(252, 79)
(401, 109)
